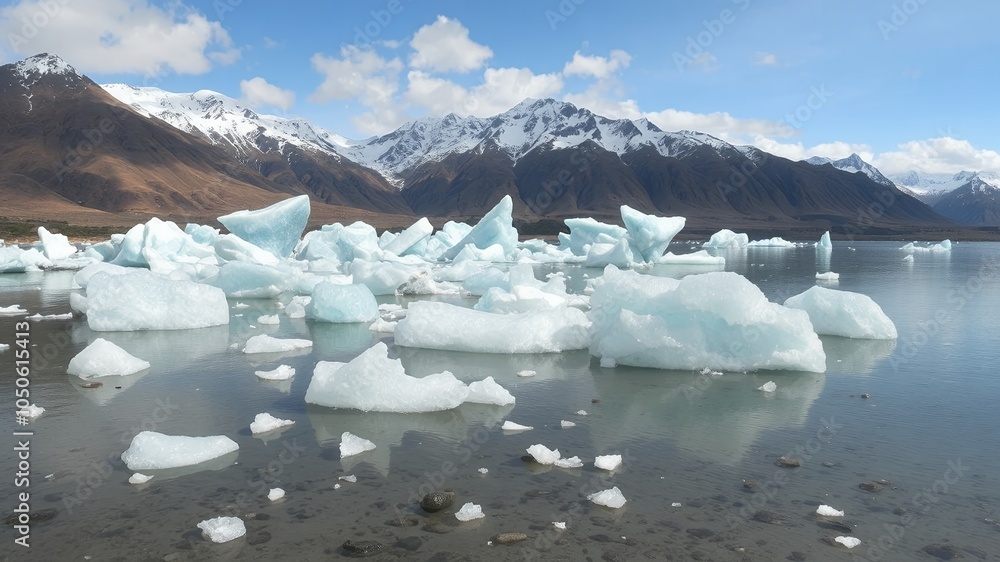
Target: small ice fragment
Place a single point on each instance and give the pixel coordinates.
(612, 498)
(526, 373)
(827, 511)
(707, 371)
(908, 258)
(12, 310)
(487, 391)
(336, 486)
(581, 412)
(469, 512)
(223, 529)
(282, 373)
(561, 525)
(269, 319)
(266, 344)
(156, 451)
(484, 470)
(351, 444)
(769, 386)
(608, 462)
(675, 504)
(31, 412)
(241, 305)
(542, 454)
(511, 426)
(275, 494)
(103, 358)
(849, 542)
(139, 478)
(828, 276)
(572, 462)
(265, 422)
(349, 478)
(566, 424)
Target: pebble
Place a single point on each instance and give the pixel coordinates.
(363, 548)
(768, 517)
(436, 501)
(789, 462)
(510, 538)
(874, 487)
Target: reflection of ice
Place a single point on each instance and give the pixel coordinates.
(54, 288)
(164, 349)
(384, 429)
(503, 368)
(855, 356)
(110, 386)
(717, 418)
(341, 342)
(217, 463)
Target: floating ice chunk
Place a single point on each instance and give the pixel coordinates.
(31, 412)
(768, 387)
(581, 412)
(269, 320)
(438, 325)
(223, 529)
(728, 240)
(275, 494)
(139, 478)
(511, 426)
(701, 257)
(262, 423)
(143, 300)
(908, 258)
(649, 234)
(561, 525)
(943, 246)
(487, 391)
(4, 346)
(351, 445)
(342, 304)
(405, 241)
(373, 382)
(383, 326)
(422, 283)
(281, 373)
(572, 462)
(276, 228)
(521, 298)
(249, 280)
(12, 310)
(824, 244)
(469, 511)
(55, 246)
(103, 358)
(691, 323)
(526, 373)
(608, 462)
(827, 511)
(618, 254)
(230, 247)
(495, 228)
(776, 242)
(675, 504)
(264, 343)
(484, 471)
(349, 478)
(849, 542)
(612, 498)
(381, 278)
(150, 450)
(828, 276)
(542, 454)
(296, 307)
(566, 424)
(584, 232)
(16, 260)
(37, 317)
(843, 313)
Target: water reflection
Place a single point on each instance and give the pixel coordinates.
(503, 368)
(855, 356)
(340, 342)
(110, 386)
(164, 349)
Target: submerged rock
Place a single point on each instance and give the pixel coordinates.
(768, 517)
(510, 538)
(873, 487)
(942, 551)
(436, 501)
(789, 462)
(362, 548)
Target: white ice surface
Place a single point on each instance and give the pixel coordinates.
(495, 228)
(103, 358)
(150, 450)
(612, 498)
(849, 542)
(608, 462)
(142, 300)
(342, 304)
(280, 373)
(264, 343)
(351, 445)
(275, 494)
(843, 313)
(827, 511)
(55, 246)
(512, 426)
(543, 455)
(769, 386)
(728, 240)
(223, 529)
(276, 228)
(264, 422)
(487, 391)
(469, 511)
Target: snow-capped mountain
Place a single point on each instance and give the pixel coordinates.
(971, 198)
(853, 164)
(930, 187)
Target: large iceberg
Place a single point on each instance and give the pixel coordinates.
(342, 304)
(728, 240)
(824, 244)
(438, 325)
(716, 320)
(843, 313)
(249, 280)
(142, 300)
(495, 228)
(154, 451)
(585, 232)
(103, 358)
(55, 246)
(650, 234)
(411, 239)
(373, 382)
(276, 229)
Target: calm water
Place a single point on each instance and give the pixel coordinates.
(929, 427)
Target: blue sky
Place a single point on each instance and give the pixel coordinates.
(909, 84)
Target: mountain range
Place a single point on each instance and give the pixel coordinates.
(74, 145)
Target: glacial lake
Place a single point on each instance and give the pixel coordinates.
(918, 416)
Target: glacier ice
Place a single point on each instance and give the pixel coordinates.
(718, 320)
(438, 325)
(139, 478)
(240, 279)
(276, 228)
(103, 358)
(543, 455)
(281, 373)
(571, 462)
(650, 234)
(513, 426)
(768, 387)
(275, 494)
(776, 242)
(223, 529)
(342, 304)
(487, 391)
(411, 238)
(843, 313)
(566, 424)
(612, 498)
(373, 382)
(469, 511)
(264, 343)
(727, 240)
(849, 542)
(142, 300)
(940, 247)
(608, 462)
(827, 511)
(824, 244)
(585, 232)
(495, 228)
(16, 260)
(828, 276)
(150, 450)
(55, 246)
(264, 422)
(351, 445)
(31, 412)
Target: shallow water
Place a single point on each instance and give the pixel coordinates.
(928, 426)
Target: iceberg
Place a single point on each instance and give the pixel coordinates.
(380, 278)
(264, 422)
(608, 462)
(411, 238)
(843, 313)
(650, 235)
(275, 494)
(585, 232)
(230, 247)
(495, 228)
(469, 511)
(726, 239)
(12, 310)
(776, 242)
(828, 276)
(103, 358)
(940, 247)
(342, 304)
(612, 498)
(351, 445)
(438, 325)
(849, 542)
(717, 320)
(373, 382)
(276, 228)
(618, 254)
(513, 426)
(154, 451)
(824, 244)
(264, 343)
(223, 529)
(543, 455)
(16, 260)
(281, 373)
(768, 387)
(55, 246)
(827, 511)
(142, 300)
(487, 391)
(249, 280)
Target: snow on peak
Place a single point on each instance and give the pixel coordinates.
(34, 68)
(932, 186)
(853, 164)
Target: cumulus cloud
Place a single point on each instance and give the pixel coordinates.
(937, 155)
(444, 46)
(117, 36)
(362, 75)
(597, 66)
(257, 92)
(500, 89)
(765, 59)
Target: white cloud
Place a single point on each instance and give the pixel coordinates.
(117, 36)
(270, 43)
(596, 66)
(937, 155)
(362, 75)
(720, 124)
(257, 92)
(444, 46)
(766, 59)
(798, 151)
(501, 89)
